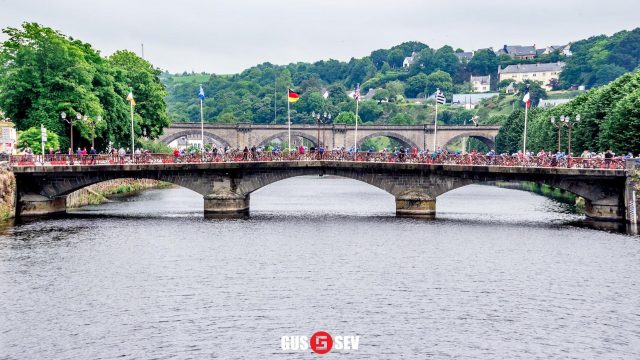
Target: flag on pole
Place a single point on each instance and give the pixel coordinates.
(293, 96)
(130, 98)
(356, 95)
(326, 94)
(527, 98)
(201, 94)
(440, 99)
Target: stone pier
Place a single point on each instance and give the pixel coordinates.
(226, 204)
(37, 205)
(415, 204)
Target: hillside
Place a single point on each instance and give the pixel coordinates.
(258, 94)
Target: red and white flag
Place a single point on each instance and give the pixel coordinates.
(527, 98)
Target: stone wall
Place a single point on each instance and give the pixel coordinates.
(7, 193)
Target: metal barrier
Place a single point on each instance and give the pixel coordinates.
(548, 161)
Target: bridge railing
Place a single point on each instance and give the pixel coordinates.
(547, 161)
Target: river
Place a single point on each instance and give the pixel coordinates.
(500, 274)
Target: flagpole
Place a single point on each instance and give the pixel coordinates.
(133, 150)
(355, 137)
(435, 127)
(289, 119)
(524, 142)
(202, 129)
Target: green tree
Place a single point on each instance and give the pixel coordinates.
(446, 60)
(348, 118)
(621, 128)
(370, 111)
(31, 138)
(395, 58)
(416, 85)
(536, 92)
(401, 119)
(484, 62)
(439, 80)
(395, 88)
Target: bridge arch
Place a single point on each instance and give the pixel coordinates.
(175, 136)
(283, 135)
(487, 140)
(390, 134)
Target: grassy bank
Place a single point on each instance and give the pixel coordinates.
(100, 193)
(546, 191)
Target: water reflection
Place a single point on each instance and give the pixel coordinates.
(499, 274)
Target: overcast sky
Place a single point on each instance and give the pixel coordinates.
(227, 36)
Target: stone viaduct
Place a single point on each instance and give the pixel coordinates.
(226, 187)
(332, 135)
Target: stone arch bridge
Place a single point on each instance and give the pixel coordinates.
(331, 135)
(226, 187)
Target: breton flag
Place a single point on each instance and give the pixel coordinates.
(326, 94)
(201, 94)
(293, 96)
(440, 99)
(527, 98)
(356, 95)
(130, 98)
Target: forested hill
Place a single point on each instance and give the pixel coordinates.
(252, 95)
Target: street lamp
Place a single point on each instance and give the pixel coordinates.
(568, 123)
(92, 124)
(70, 121)
(323, 118)
(559, 126)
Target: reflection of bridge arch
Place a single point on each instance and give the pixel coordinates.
(489, 141)
(390, 134)
(285, 134)
(186, 133)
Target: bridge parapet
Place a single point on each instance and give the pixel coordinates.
(226, 186)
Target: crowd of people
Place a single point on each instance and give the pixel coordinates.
(588, 159)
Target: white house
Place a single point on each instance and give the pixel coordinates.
(408, 61)
(481, 84)
(543, 73)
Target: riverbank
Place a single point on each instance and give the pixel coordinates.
(100, 193)
(560, 195)
(7, 194)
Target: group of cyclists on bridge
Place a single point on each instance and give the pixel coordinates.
(588, 159)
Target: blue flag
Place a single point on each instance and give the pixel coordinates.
(201, 93)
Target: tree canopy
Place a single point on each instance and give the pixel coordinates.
(45, 72)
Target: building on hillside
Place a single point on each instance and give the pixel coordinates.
(481, 84)
(369, 95)
(511, 89)
(561, 49)
(518, 52)
(408, 61)
(470, 101)
(547, 103)
(465, 57)
(8, 137)
(543, 73)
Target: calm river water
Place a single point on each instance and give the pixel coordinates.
(500, 274)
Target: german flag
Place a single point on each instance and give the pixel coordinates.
(293, 96)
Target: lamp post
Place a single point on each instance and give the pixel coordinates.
(93, 122)
(568, 123)
(559, 126)
(70, 120)
(321, 119)
(326, 118)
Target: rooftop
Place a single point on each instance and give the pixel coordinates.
(529, 68)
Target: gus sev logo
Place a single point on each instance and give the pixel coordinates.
(320, 342)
